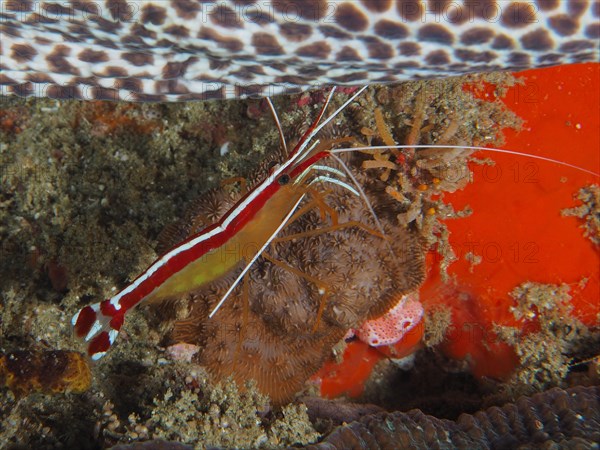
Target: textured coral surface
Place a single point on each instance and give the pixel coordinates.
(567, 419)
(554, 419)
(279, 327)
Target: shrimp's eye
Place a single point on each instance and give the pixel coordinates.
(283, 179)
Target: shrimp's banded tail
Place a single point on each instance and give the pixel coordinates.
(98, 325)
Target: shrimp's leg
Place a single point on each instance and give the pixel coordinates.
(317, 201)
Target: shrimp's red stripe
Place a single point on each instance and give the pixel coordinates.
(85, 320)
(181, 259)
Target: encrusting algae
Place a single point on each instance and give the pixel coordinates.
(547, 352)
(51, 371)
(589, 211)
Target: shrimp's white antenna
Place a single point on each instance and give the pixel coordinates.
(278, 123)
(466, 147)
(362, 194)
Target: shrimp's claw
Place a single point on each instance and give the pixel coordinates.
(99, 326)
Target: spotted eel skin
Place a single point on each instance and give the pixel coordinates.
(176, 50)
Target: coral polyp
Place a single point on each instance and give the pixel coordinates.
(316, 281)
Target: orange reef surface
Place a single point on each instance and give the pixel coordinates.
(516, 232)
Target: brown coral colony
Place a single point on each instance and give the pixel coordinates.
(317, 280)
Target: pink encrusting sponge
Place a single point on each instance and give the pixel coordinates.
(393, 325)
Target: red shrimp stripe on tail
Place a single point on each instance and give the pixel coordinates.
(92, 321)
